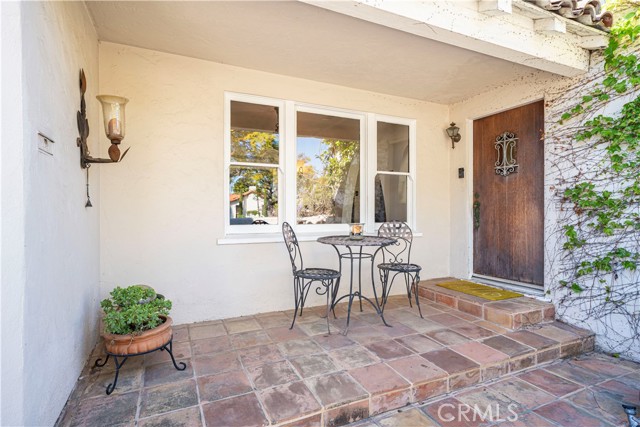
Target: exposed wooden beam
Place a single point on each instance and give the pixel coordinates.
(495, 7)
(550, 25)
(594, 42)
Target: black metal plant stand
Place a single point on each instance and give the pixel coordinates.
(120, 359)
(630, 410)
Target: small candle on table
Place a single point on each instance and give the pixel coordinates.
(356, 229)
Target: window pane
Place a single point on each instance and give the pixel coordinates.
(253, 195)
(393, 147)
(254, 133)
(328, 169)
(391, 198)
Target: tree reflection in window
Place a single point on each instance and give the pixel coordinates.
(328, 169)
(255, 157)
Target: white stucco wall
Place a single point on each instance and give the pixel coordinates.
(162, 208)
(11, 217)
(50, 271)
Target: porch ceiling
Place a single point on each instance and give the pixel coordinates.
(301, 40)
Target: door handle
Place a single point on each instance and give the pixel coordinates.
(476, 211)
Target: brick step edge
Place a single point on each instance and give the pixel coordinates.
(514, 313)
(572, 342)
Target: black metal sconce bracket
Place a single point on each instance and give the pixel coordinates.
(83, 129)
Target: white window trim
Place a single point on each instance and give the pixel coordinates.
(362, 118)
(238, 234)
(248, 228)
(373, 119)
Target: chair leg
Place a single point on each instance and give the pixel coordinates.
(304, 291)
(334, 294)
(359, 279)
(407, 283)
(416, 280)
(329, 287)
(302, 297)
(387, 284)
(296, 295)
(384, 281)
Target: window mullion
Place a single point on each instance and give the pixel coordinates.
(227, 158)
(290, 199)
(411, 188)
(371, 143)
(393, 173)
(255, 165)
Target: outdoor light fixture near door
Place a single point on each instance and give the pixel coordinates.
(453, 132)
(113, 114)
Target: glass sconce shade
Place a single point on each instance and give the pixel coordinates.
(452, 131)
(113, 114)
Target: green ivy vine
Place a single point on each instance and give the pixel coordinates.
(592, 137)
(608, 208)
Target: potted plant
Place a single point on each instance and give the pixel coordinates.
(136, 320)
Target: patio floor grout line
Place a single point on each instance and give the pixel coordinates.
(255, 389)
(139, 403)
(166, 413)
(453, 394)
(193, 372)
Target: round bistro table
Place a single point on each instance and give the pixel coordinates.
(354, 252)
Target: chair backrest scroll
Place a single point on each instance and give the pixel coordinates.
(291, 241)
(400, 252)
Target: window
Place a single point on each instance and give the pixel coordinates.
(316, 167)
(254, 159)
(327, 169)
(392, 178)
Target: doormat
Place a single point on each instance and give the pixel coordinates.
(478, 290)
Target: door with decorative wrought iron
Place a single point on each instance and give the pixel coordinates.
(508, 205)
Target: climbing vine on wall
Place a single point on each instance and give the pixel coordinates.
(596, 176)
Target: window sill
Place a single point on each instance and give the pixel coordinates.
(246, 239)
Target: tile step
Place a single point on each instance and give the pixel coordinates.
(528, 346)
(546, 344)
(514, 313)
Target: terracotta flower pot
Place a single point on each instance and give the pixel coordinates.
(134, 344)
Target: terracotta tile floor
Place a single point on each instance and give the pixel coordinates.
(585, 390)
(254, 371)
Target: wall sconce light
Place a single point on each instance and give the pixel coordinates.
(113, 114)
(452, 131)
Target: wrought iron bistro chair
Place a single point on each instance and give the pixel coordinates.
(396, 261)
(325, 279)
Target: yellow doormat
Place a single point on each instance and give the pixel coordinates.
(478, 290)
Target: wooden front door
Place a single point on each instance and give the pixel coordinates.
(508, 201)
